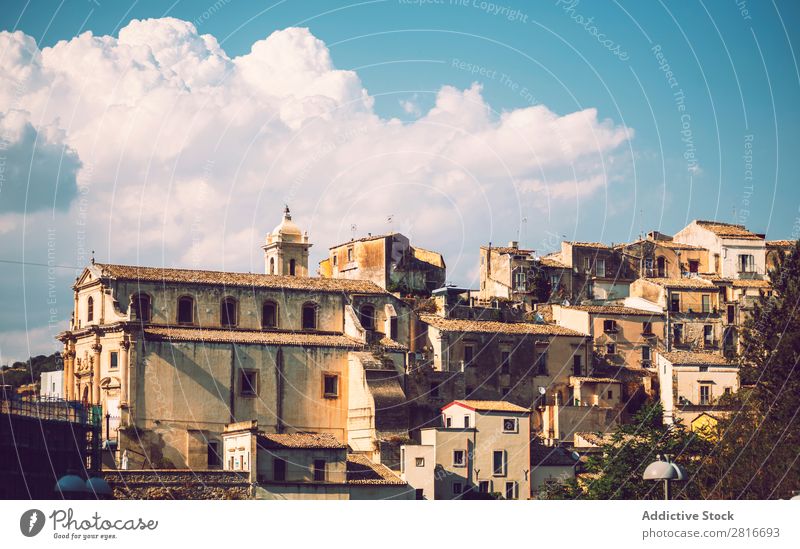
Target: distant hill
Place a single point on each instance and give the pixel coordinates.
(23, 373)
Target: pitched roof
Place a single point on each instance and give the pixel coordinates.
(508, 250)
(728, 230)
(221, 335)
(550, 262)
(363, 239)
(551, 456)
(489, 406)
(361, 470)
(490, 326)
(584, 379)
(672, 245)
(249, 280)
(300, 440)
(682, 283)
(780, 243)
(745, 283)
(612, 310)
(690, 358)
(590, 245)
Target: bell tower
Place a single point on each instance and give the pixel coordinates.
(286, 249)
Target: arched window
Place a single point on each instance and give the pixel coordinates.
(269, 315)
(661, 266)
(367, 317)
(186, 310)
(272, 265)
(291, 267)
(90, 309)
(227, 315)
(310, 316)
(141, 307)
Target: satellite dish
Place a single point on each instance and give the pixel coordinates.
(542, 390)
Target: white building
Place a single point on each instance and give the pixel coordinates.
(52, 384)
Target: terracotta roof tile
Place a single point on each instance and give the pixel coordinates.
(744, 283)
(488, 326)
(361, 470)
(613, 310)
(585, 379)
(300, 440)
(689, 358)
(508, 250)
(780, 243)
(254, 280)
(682, 283)
(489, 406)
(550, 262)
(728, 230)
(590, 245)
(210, 335)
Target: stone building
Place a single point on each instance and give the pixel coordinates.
(482, 446)
(390, 261)
(733, 250)
(599, 271)
(692, 384)
(660, 256)
(180, 353)
(512, 273)
(306, 466)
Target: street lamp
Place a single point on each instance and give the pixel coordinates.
(664, 469)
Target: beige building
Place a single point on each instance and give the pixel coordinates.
(483, 446)
(660, 256)
(512, 273)
(180, 353)
(286, 249)
(691, 383)
(692, 310)
(734, 251)
(306, 466)
(599, 271)
(390, 261)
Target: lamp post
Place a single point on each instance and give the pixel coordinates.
(664, 469)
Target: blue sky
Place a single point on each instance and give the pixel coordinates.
(730, 154)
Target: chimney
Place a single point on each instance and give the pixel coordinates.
(513, 244)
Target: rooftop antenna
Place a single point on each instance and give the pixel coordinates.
(353, 229)
(286, 213)
(92, 257)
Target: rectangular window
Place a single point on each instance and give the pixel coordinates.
(434, 390)
(448, 422)
(541, 364)
(647, 328)
(459, 458)
(466, 422)
(335, 260)
(213, 454)
(555, 280)
(706, 303)
(747, 263)
(586, 264)
(483, 487)
(504, 391)
(708, 335)
(600, 267)
(520, 281)
(393, 328)
(675, 303)
(456, 488)
(319, 470)
(505, 366)
(694, 266)
(330, 388)
(469, 354)
(419, 462)
(510, 425)
(577, 365)
(731, 314)
(349, 255)
(716, 263)
(499, 463)
(279, 469)
(419, 493)
(511, 490)
(113, 360)
(677, 334)
(645, 353)
(611, 349)
(610, 394)
(248, 383)
(609, 326)
(705, 394)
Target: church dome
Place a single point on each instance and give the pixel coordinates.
(286, 230)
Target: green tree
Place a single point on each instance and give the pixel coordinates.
(756, 456)
(615, 471)
(541, 286)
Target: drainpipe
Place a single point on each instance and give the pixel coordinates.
(232, 390)
(668, 337)
(279, 387)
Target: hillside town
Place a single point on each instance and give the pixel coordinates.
(375, 379)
